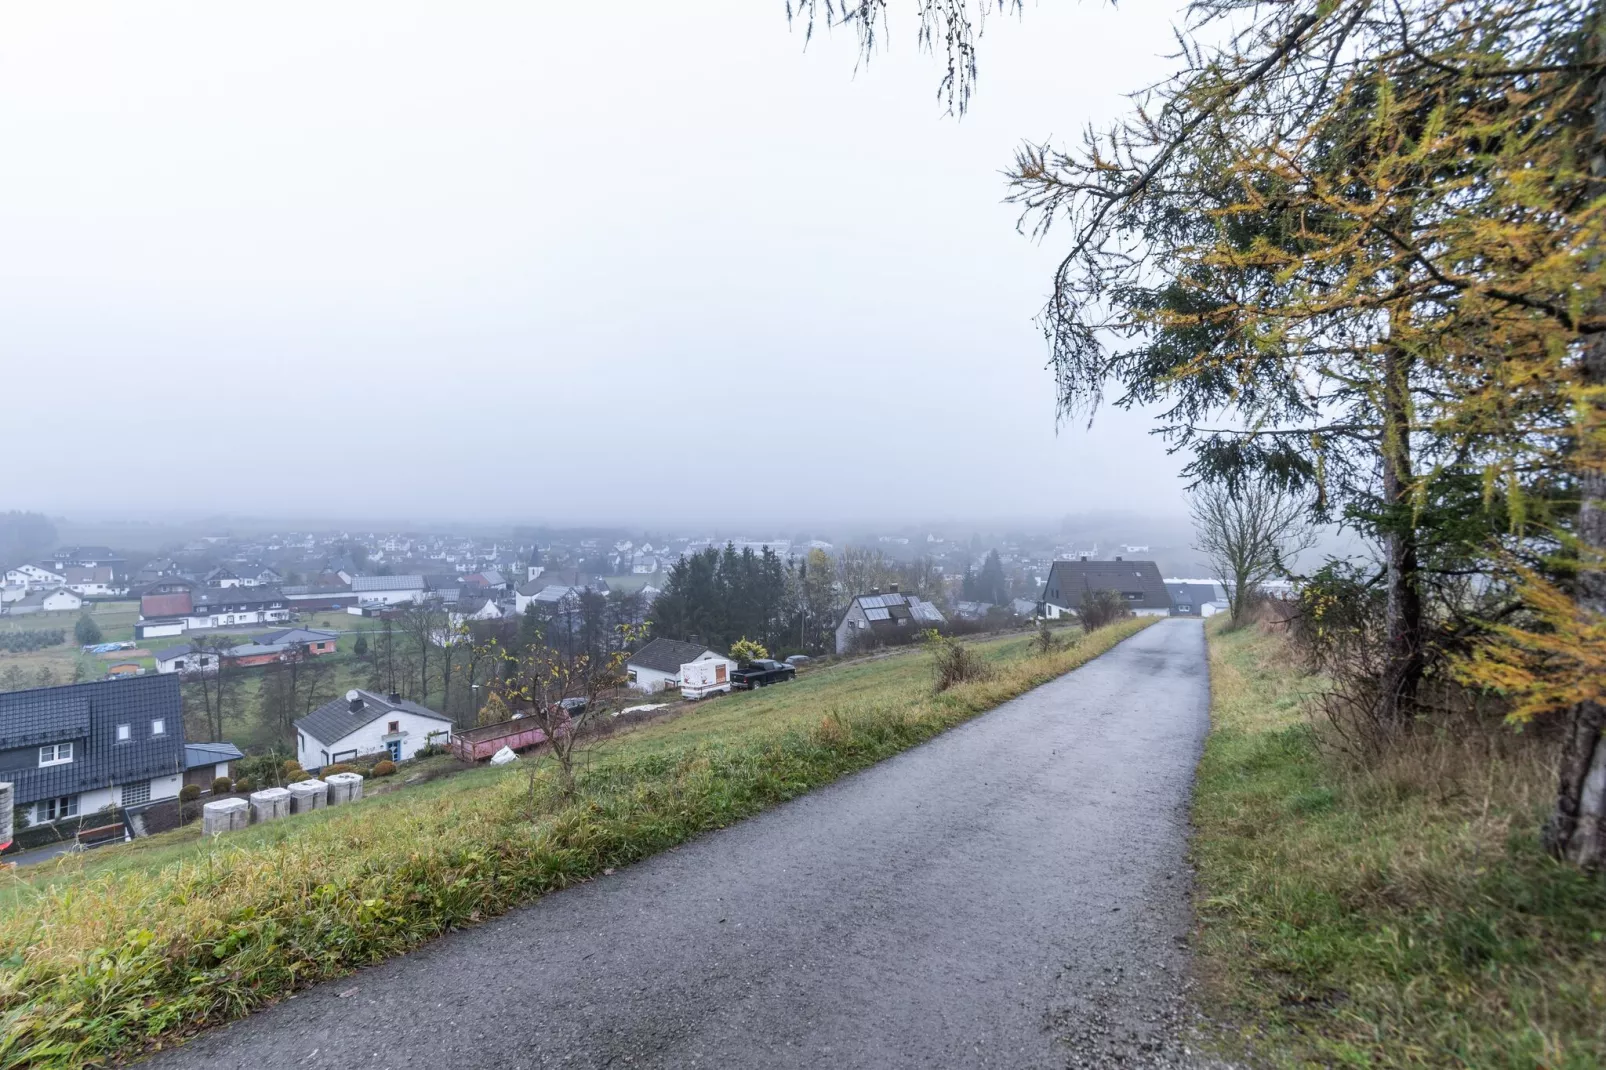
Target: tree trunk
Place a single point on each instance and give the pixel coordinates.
(1403, 621)
(1577, 827)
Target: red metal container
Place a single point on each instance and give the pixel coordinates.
(478, 744)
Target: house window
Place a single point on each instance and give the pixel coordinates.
(124, 733)
(137, 793)
(179, 664)
(345, 755)
(159, 727)
(632, 675)
(395, 726)
(325, 756)
(59, 809)
(55, 754)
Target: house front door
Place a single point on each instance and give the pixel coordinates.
(395, 750)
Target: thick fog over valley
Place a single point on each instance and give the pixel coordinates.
(546, 263)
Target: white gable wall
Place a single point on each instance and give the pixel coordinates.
(653, 680)
(414, 734)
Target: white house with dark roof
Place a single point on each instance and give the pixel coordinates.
(60, 600)
(180, 611)
(92, 581)
(362, 723)
(73, 750)
(33, 577)
(656, 666)
(1137, 582)
(186, 659)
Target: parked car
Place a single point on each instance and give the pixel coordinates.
(762, 672)
(798, 660)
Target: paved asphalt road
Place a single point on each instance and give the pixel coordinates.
(1011, 894)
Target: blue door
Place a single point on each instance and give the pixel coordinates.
(395, 750)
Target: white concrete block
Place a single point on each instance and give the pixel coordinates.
(224, 815)
(344, 787)
(308, 795)
(269, 804)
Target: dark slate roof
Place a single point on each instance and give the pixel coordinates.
(179, 651)
(87, 715)
(1191, 594)
(199, 754)
(335, 720)
(668, 655)
(1137, 581)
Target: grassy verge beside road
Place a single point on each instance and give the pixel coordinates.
(111, 955)
(1397, 916)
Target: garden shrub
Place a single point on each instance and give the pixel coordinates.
(222, 786)
(189, 793)
(384, 768)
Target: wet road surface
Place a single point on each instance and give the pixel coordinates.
(1011, 894)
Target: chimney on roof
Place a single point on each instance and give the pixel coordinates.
(395, 697)
(1082, 558)
(875, 590)
(893, 587)
(1118, 557)
(353, 700)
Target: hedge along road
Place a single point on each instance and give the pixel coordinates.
(1010, 894)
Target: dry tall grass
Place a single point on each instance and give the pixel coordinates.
(1386, 910)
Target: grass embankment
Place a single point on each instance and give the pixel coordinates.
(111, 955)
(1397, 915)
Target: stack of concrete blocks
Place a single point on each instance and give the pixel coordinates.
(224, 815)
(269, 804)
(344, 788)
(6, 831)
(307, 796)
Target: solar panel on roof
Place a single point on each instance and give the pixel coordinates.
(877, 613)
(871, 601)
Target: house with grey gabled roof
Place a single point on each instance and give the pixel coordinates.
(362, 723)
(884, 619)
(656, 666)
(1194, 599)
(74, 750)
(1137, 582)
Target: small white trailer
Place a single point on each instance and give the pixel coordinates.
(702, 678)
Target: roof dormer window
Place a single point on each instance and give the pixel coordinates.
(55, 754)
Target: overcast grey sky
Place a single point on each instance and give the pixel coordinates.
(558, 262)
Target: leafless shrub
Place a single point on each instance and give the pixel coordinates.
(1103, 607)
(953, 662)
(1045, 641)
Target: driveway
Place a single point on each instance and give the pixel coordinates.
(1011, 894)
